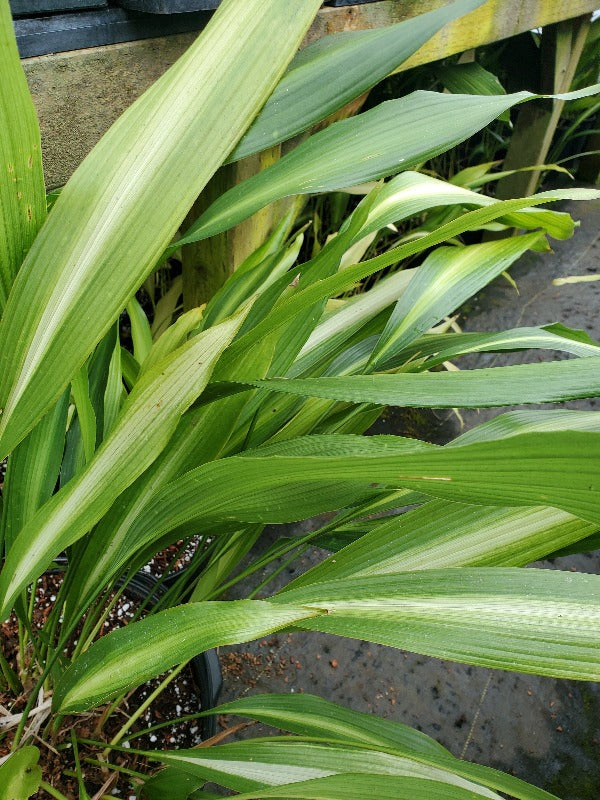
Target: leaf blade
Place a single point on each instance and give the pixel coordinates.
(330, 73)
(147, 421)
(538, 621)
(22, 194)
(94, 247)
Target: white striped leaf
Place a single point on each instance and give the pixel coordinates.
(146, 423)
(541, 621)
(317, 718)
(396, 135)
(121, 208)
(347, 278)
(445, 534)
(244, 766)
(446, 279)
(314, 717)
(448, 346)
(412, 193)
(127, 657)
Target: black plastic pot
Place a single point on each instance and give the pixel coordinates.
(205, 667)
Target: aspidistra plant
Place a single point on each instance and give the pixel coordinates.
(251, 410)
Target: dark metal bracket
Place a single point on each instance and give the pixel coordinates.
(76, 24)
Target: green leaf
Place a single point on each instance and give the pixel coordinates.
(22, 194)
(140, 331)
(307, 476)
(129, 367)
(345, 280)
(113, 391)
(548, 382)
(165, 308)
(173, 337)
(20, 774)
(411, 193)
(448, 346)
(312, 716)
(334, 70)
(201, 436)
(365, 787)
(146, 423)
(445, 280)
(469, 78)
(122, 207)
(32, 470)
(539, 621)
(445, 534)
(247, 766)
(127, 657)
(171, 784)
(91, 397)
(396, 135)
(340, 325)
(259, 271)
(515, 423)
(80, 390)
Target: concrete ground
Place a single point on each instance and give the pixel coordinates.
(545, 731)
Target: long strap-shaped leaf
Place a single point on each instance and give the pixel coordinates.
(200, 437)
(447, 278)
(162, 640)
(258, 763)
(445, 534)
(309, 715)
(412, 193)
(22, 196)
(247, 766)
(360, 786)
(393, 136)
(334, 70)
(541, 621)
(347, 278)
(144, 427)
(447, 346)
(32, 471)
(493, 387)
(123, 205)
(303, 477)
(312, 716)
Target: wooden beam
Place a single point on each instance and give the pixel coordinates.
(562, 45)
(495, 20)
(207, 264)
